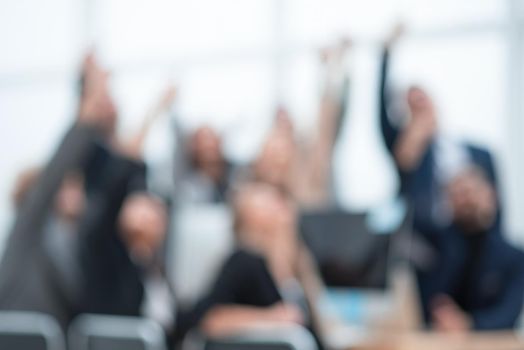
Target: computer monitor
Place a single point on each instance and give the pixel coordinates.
(348, 253)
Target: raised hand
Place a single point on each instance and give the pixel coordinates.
(396, 34)
(96, 105)
(133, 147)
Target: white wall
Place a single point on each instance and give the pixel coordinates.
(233, 60)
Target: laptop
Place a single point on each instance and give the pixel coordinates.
(348, 253)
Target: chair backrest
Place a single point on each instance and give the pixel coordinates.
(201, 239)
(29, 331)
(100, 332)
(262, 337)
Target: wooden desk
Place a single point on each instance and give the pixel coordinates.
(402, 329)
(436, 341)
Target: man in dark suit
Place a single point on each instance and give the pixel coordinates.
(425, 159)
(477, 278)
(118, 235)
(121, 234)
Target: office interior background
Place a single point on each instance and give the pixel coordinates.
(235, 61)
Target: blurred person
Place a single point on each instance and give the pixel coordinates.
(302, 166)
(269, 278)
(35, 270)
(202, 174)
(59, 230)
(32, 274)
(276, 162)
(122, 233)
(477, 281)
(425, 158)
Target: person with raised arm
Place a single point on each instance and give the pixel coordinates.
(426, 159)
(30, 279)
(269, 278)
(475, 280)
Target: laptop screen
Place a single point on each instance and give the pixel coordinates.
(347, 252)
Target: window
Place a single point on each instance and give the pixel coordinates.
(234, 60)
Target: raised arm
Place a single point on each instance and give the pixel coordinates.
(134, 146)
(96, 117)
(73, 152)
(389, 131)
(318, 153)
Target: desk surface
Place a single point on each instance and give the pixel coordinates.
(401, 329)
(436, 341)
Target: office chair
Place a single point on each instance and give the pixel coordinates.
(268, 337)
(100, 332)
(29, 331)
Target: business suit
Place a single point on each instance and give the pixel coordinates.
(421, 186)
(482, 273)
(28, 279)
(112, 281)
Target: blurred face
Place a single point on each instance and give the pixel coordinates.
(263, 214)
(473, 201)
(143, 225)
(274, 163)
(206, 146)
(70, 201)
(418, 100)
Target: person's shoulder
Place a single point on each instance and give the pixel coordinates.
(507, 252)
(478, 150)
(245, 259)
(245, 255)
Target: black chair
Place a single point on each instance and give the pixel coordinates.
(97, 332)
(267, 337)
(29, 331)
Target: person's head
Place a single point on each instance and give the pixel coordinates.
(262, 213)
(143, 225)
(419, 102)
(205, 147)
(473, 200)
(274, 162)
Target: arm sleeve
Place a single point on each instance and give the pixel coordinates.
(484, 160)
(120, 177)
(388, 130)
(73, 153)
(181, 161)
(504, 313)
(343, 108)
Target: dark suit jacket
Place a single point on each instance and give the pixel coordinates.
(112, 281)
(28, 279)
(496, 288)
(493, 291)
